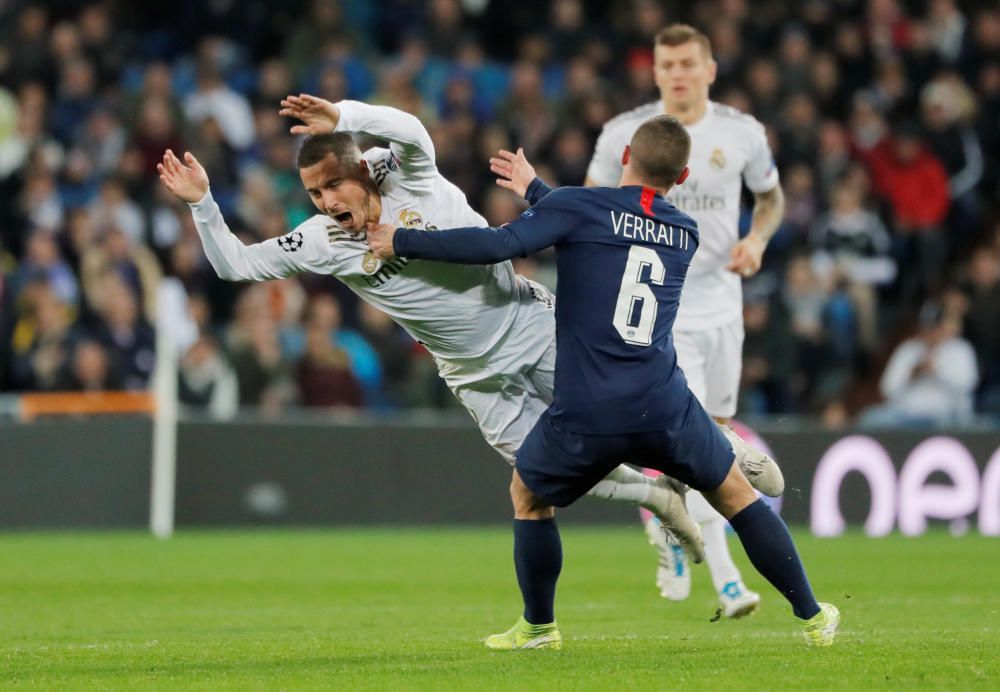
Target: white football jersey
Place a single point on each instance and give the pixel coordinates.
(728, 148)
(459, 312)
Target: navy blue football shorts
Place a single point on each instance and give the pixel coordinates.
(559, 466)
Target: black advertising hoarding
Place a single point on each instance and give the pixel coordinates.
(92, 473)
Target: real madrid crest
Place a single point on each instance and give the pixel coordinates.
(369, 263)
(717, 160)
(410, 219)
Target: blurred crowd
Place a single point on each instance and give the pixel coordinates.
(884, 117)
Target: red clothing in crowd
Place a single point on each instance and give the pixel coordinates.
(917, 189)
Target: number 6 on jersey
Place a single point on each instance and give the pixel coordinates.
(635, 312)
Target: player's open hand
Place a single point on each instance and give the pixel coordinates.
(319, 115)
(379, 237)
(186, 179)
(514, 170)
(746, 256)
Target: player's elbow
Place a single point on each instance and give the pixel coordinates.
(227, 272)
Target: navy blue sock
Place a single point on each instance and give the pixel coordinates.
(771, 550)
(538, 561)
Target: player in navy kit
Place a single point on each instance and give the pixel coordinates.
(622, 255)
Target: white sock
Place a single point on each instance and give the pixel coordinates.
(623, 485)
(627, 474)
(720, 562)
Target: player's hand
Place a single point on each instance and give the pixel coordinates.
(379, 237)
(514, 170)
(746, 256)
(187, 179)
(319, 115)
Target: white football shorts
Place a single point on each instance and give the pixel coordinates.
(507, 390)
(712, 361)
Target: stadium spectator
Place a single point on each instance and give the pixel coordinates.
(914, 183)
(769, 358)
(362, 358)
(948, 113)
(981, 290)
(43, 262)
(128, 337)
(324, 373)
(115, 253)
(930, 378)
(42, 340)
(215, 100)
(90, 370)
(254, 350)
(853, 242)
(206, 381)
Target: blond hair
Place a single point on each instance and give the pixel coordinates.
(679, 34)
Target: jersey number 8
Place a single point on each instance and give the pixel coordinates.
(635, 312)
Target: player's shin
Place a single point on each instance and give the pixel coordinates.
(772, 552)
(538, 562)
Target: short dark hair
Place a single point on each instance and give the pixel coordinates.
(679, 34)
(660, 150)
(315, 148)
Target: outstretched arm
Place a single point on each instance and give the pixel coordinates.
(537, 228)
(229, 257)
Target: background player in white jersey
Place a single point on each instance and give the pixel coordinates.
(729, 148)
(491, 332)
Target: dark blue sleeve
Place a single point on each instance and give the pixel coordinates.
(537, 189)
(541, 226)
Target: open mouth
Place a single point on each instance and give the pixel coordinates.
(344, 218)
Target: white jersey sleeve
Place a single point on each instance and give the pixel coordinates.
(407, 137)
(304, 249)
(760, 173)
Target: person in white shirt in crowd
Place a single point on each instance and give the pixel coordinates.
(930, 379)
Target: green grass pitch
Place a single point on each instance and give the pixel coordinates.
(406, 609)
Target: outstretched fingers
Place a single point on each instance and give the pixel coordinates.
(501, 167)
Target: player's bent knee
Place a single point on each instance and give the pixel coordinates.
(734, 494)
(527, 505)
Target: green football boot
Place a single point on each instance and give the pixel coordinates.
(524, 635)
(821, 628)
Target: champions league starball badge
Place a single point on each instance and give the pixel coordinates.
(291, 242)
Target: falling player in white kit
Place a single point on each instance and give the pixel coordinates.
(728, 149)
(490, 331)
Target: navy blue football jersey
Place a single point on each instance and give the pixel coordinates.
(622, 255)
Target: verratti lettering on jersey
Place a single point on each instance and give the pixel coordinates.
(647, 230)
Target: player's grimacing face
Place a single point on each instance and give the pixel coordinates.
(341, 195)
(683, 74)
